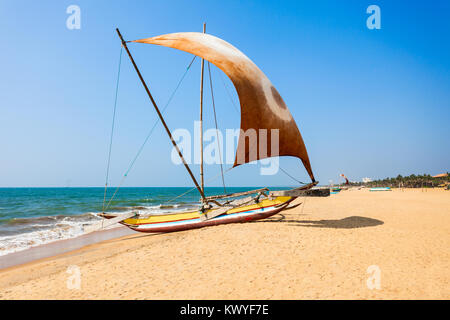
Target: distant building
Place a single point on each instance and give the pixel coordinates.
(365, 180)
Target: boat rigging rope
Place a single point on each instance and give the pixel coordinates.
(228, 93)
(217, 129)
(194, 188)
(158, 120)
(112, 129)
(291, 176)
(149, 134)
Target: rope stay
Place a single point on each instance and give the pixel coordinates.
(112, 129)
(286, 173)
(228, 93)
(149, 134)
(192, 189)
(158, 120)
(217, 129)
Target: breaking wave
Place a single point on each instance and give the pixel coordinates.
(18, 234)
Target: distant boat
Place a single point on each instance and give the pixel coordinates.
(262, 108)
(380, 189)
(335, 190)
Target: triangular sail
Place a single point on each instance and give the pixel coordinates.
(261, 105)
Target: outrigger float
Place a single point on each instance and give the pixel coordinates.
(262, 109)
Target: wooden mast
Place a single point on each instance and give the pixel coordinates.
(160, 116)
(202, 180)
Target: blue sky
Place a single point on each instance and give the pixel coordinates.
(369, 103)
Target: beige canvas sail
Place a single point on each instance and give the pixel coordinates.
(262, 108)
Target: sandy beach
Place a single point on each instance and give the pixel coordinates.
(321, 249)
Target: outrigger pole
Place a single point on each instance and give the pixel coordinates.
(124, 43)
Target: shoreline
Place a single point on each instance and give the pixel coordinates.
(58, 247)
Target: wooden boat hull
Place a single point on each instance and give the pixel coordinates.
(381, 189)
(191, 220)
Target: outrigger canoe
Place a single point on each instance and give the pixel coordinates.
(192, 219)
(263, 112)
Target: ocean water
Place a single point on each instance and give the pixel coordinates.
(34, 216)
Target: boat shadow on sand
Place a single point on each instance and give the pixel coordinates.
(345, 223)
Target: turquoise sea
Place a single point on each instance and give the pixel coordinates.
(34, 216)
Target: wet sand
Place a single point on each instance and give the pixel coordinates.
(322, 249)
(61, 246)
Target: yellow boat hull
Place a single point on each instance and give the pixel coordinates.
(191, 219)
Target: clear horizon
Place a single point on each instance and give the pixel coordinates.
(368, 103)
